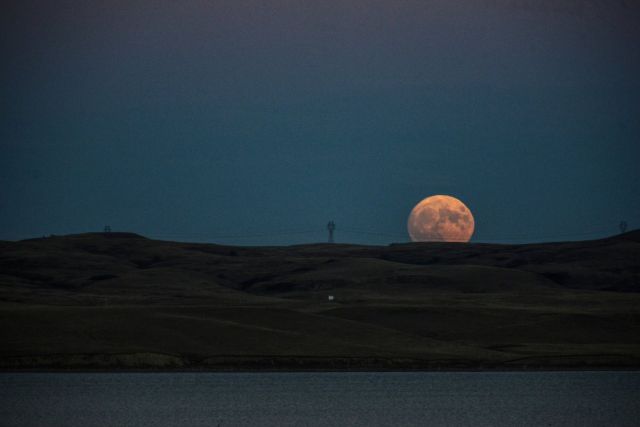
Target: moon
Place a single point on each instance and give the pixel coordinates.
(440, 219)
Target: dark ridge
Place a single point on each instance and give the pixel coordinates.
(114, 235)
(122, 301)
(99, 277)
(109, 235)
(633, 236)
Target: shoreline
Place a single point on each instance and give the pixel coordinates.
(158, 362)
(365, 371)
(317, 370)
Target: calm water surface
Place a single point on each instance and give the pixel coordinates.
(321, 399)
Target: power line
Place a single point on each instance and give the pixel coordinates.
(398, 236)
(351, 230)
(236, 236)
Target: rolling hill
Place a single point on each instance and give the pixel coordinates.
(122, 301)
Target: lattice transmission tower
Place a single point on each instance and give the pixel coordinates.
(623, 226)
(331, 226)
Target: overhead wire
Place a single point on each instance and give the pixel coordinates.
(375, 233)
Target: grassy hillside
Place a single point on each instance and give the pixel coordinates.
(119, 300)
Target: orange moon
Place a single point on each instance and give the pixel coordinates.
(440, 219)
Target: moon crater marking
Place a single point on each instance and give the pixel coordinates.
(440, 219)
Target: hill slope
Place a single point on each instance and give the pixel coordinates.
(121, 300)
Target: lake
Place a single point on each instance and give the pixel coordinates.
(321, 399)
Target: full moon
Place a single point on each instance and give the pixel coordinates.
(440, 219)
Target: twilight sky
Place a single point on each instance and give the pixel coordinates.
(256, 122)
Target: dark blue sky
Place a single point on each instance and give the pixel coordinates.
(234, 121)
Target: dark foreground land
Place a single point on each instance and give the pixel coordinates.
(121, 301)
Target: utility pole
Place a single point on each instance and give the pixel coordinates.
(331, 226)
